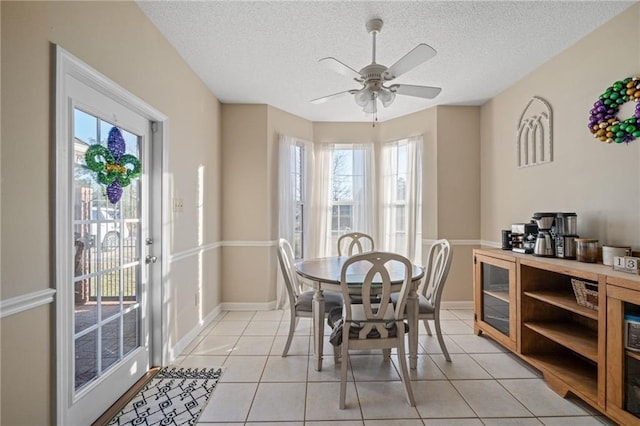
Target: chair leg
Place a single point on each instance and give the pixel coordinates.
(293, 323)
(343, 374)
(336, 354)
(386, 354)
(426, 326)
(445, 352)
(402, 359)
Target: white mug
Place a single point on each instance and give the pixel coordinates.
(608, 252)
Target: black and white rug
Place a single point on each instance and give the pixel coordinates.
(175, 396)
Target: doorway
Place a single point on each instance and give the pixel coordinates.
(108, 240)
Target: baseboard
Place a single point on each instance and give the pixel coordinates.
(230, 306)
(457, 304)
(269, 306)
(190, 336)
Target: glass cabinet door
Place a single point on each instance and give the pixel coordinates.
(495, 293)
(495, 297)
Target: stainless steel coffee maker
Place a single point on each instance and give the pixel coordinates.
(544, 246)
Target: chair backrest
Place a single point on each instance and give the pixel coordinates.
(437, 269)
(288, 268)
(354, 243)
(373, 296)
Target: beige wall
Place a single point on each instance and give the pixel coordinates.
(598, 181)
(118, 40)
(250, 198)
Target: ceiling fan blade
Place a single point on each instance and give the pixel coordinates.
(415, 57)
(337, 66)
(333, 96)
(426, 92)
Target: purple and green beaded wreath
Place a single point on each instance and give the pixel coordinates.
(113, 167)
(603, 122)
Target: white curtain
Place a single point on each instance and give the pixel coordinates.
(401, 221)
(319, 234)
(364, 202)
(363, 217)
(287, 198)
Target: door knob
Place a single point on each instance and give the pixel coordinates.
(151, 259)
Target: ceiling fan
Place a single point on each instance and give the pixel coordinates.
(374, 76)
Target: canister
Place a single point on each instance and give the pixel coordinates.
(586, 250)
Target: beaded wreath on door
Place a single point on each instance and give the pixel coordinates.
(113, 167)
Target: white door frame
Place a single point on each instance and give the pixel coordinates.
(66, 66)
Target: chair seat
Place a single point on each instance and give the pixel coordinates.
(332, 299)
(424, 306)
(336, 323)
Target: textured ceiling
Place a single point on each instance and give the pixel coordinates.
(267, 52)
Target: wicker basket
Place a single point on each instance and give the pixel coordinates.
(586, 293)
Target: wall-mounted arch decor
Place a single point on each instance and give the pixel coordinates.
(534, 142)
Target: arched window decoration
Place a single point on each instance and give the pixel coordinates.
(534, 141)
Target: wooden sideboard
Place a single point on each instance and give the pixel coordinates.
(528, 305)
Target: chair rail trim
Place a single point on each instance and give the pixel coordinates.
(25, 302)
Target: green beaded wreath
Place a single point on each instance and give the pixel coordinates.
(112, 166)
(603, 122)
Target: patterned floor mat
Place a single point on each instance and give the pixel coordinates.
(175, 396)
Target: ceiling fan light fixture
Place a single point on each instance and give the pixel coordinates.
(363, 97)
(386, 97)
(371, 107)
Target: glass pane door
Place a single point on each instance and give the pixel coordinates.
(107, 253)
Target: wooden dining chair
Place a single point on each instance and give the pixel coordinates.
(430, 290)
(369, 318)
(354, 243)
(300, 301)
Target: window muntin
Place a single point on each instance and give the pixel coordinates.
(298, 176)
(342, 190)
(399, 179)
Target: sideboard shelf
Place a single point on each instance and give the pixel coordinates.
(569, 373)
(580, 340)
(500, 295)
(565, 300)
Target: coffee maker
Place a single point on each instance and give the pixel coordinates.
(544, 246)
(523, 237)
(565, 234)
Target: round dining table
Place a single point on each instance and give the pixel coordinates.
(324, 274)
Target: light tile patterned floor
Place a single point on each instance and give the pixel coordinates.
(483, 385)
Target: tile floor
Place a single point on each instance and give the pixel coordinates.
(483, 385)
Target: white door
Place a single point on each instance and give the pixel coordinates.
(104, 250)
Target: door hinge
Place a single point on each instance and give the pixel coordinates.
(475, 260)
(154, 126)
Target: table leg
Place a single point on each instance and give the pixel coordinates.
(412, 315)
(318, 326)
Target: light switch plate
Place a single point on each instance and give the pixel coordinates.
(178, 205)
